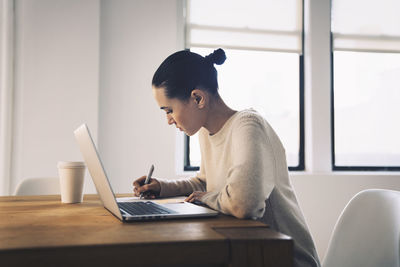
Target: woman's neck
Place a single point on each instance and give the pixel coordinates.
(218, 114)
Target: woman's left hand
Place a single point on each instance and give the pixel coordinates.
(195, 196)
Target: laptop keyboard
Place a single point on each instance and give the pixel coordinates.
(144, 208)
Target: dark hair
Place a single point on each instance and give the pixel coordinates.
(184, 71)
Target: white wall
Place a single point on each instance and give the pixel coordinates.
(93, 61)
(133, 134)
(70, 70)
(56, 83)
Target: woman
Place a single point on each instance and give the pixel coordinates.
(243, 169)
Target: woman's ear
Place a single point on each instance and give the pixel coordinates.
(199, 97)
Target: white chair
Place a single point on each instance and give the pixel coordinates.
(367, 232)
(38, 186)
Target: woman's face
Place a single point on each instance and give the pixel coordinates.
(187, 116)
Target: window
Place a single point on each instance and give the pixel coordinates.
(366, 79)
(263, 41)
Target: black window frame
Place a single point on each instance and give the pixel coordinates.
(345, 167)
(301, 166)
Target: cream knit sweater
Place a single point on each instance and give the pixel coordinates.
(244, 171)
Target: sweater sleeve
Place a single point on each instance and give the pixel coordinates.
(183, 187)
(251, 176)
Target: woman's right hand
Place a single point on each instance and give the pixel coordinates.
(150, 190)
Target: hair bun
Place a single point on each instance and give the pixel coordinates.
(217, 57)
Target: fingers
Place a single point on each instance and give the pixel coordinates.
(146, 187)
(150, 190)
(195, 197)
(138, 182)
(135, 192)
(190, 198)
(149, 195)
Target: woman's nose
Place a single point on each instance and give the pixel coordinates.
(170, 120)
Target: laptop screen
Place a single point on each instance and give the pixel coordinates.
(96, 169)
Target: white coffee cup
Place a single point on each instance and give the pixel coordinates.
(72, 174)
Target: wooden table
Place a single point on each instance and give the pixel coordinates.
(41, 231)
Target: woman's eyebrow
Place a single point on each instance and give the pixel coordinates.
(165, 108)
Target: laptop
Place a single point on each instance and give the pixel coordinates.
(131, 209)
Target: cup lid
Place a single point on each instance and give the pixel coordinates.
(70, 164)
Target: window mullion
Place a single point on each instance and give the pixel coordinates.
(317, 51)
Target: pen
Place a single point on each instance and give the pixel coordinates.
(148, 178)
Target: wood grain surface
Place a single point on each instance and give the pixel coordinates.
(42, 231)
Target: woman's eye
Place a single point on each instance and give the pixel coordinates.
(169, 112)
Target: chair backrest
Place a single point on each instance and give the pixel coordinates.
(367, 232)
(38, 186)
